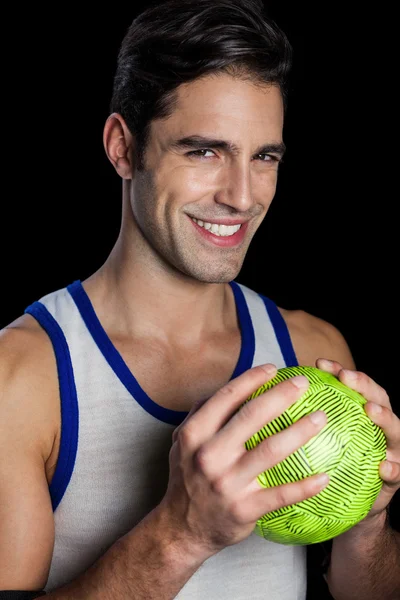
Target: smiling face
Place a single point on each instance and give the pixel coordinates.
(209, 176)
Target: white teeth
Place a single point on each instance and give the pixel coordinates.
(219, 230)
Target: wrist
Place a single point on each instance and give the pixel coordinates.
(370, 524)
(366, 531)
(176, 543)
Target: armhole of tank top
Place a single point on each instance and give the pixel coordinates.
(281, 332)
(69, 402)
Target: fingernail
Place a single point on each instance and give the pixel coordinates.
(387, 468)
(324, 362)
(322, 480)
(374, 409)
(268, 368)
(300, 381)
(317, 417)
(350, 374)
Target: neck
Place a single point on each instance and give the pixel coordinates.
(135, 298)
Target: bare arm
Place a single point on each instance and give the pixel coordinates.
(147, 563)
(150, 562)
(26, 518)
(365, 563)
(213, 498)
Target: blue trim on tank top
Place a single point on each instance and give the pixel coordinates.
(281, 332)
(120, 368)
(69, 402)
(248, 347)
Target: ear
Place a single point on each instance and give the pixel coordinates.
(118, 144)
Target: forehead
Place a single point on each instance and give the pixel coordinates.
(225, 104)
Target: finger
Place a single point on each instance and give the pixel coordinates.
(276, 448)
(199, 403)
(212, 415)
(390, 473)
(229, 443)
(264, 500)
(386, 419)
(331, 366)
(194, 409)
(367, 387)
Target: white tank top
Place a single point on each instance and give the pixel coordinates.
(113, 462)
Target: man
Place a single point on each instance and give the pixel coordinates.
(162, 342)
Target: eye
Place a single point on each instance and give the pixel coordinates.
(200, 153)
(268, 158)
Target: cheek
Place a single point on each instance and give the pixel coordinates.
(183, 185)
(195, 181)
(182, 181)
(264, 187)
(207, 179)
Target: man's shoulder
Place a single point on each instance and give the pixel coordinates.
(28, 381)
(22, 341)
(314, 338)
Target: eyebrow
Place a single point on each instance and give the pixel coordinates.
(198, 142)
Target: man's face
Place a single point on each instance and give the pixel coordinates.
(215, 159)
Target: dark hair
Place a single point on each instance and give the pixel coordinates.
(177, 41)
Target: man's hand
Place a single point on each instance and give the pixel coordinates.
(213, 497)
(379, 410)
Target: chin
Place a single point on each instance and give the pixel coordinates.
(220, 276)
(208, 271)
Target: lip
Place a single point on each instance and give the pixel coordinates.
(222, 221)
(220, 241)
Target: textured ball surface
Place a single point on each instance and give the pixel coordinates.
(349, 449)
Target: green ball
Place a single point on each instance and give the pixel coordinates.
(349, 449)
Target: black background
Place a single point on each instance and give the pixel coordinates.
(327, 245)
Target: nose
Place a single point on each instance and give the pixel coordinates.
(235, 189)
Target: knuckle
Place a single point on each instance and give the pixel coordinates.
(227, 390)
(184, 436)
(238, 513)
(269, 452)
(196, 406)
(201, 460)
(245, 412)
(175, 434)
(282, 496)
(219, 486)
(173, 455)
(384, 395)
